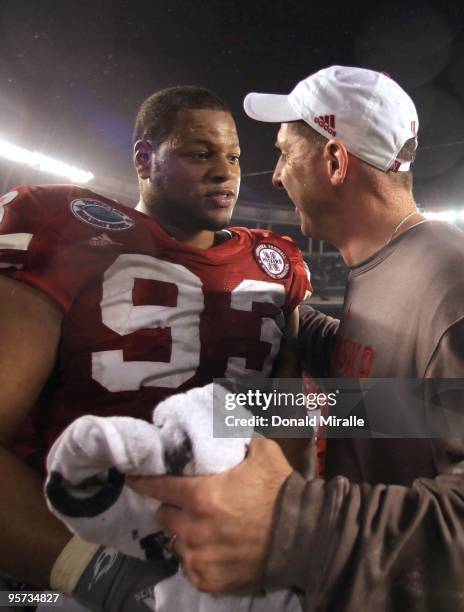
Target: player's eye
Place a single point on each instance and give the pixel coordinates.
(199, 154)
(235, 158)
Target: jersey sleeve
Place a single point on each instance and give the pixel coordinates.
(20, 220)
(31, 224)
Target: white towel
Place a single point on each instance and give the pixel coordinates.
(86, 488)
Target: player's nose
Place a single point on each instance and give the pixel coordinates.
(223, 170)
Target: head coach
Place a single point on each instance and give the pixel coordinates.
(384, 528)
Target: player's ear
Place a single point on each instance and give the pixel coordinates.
(143, 150)
(337, 159)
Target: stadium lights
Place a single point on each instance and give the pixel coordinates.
(450, 216)
(43, 162)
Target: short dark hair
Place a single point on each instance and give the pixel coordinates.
(406, 154)
(408, 151)
(157, 114)
(317, 140)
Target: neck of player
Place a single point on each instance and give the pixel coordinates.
(199, 238)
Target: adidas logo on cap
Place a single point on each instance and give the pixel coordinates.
(327, 123)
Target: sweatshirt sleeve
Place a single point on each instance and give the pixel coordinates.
(316, 340)
(358, 546)
(373, 547)
(447, 361)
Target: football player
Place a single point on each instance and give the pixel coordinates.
(108, 310)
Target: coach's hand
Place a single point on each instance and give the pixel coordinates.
(223, 523)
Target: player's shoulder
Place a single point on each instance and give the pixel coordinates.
(58, 204)
(270, 238)
(53, 196)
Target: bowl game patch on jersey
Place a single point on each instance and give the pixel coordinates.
(100, 214)
(272, 260)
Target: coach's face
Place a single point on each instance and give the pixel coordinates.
(196, 170)
(299, 171)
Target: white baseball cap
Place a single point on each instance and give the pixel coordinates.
(370, 113)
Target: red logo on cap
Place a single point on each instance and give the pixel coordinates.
(327, 123)
(414, 128)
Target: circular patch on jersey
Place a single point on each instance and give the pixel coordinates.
(100, 214)
(272, 260)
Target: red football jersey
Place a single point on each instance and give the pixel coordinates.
(144, 315)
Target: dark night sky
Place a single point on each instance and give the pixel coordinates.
(73, 74)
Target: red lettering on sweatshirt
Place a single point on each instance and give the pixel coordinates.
(352, 359)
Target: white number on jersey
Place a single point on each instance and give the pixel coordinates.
(183, 320)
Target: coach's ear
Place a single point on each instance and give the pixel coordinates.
(143, 150)
(336, 158)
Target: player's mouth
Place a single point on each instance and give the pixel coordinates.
(222, 198)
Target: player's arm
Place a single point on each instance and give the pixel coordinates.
(30, 326)
(35, 546)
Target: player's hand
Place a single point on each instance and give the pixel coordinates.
(113, 582)
(223, 523)
(104, 580)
